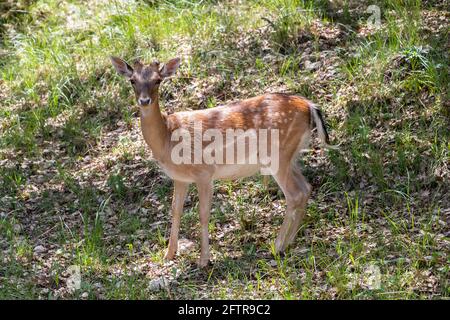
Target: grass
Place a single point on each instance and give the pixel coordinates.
(76, 177)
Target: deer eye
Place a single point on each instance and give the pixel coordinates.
(132, 81)
(158, 81)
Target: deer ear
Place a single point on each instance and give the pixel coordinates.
(170, 68)
(122, 67)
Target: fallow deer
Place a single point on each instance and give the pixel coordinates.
(291, 117)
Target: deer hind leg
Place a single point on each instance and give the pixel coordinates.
(296, 191)
(179, 195)
(306, 192)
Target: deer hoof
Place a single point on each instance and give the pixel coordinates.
(280, 247)
(169, 255)
(203, 262)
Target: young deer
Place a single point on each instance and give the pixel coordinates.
(289, 118)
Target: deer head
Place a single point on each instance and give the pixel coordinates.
(145, 79)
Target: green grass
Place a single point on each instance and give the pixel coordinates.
(76, 178)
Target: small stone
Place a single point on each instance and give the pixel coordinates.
(185, 245)
(158, 284)
(312, 65)
(39, 249)
(84, 295)
(272, 263)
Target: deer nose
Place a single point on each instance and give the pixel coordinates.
(144, 101)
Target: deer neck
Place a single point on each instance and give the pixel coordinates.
(154, 129)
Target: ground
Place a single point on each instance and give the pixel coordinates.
(79, 189)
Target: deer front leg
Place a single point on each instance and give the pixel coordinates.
(205, 191)
(179, 195)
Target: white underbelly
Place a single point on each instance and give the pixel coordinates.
(226, 171)
(175, 173)
(235, 171)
